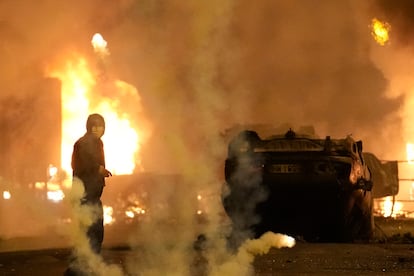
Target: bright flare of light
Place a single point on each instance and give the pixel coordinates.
(380, 31)
(52, 171)
(40, 185)
(120, 141)
(134, 210)
(387, 208)
(108, 212)
(76, 79)
(6, 195)
(289, 241)
(53, 186)
(99, 44)
(56, 195)
(79, 100)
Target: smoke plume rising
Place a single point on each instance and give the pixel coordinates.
(83, 216)
(212, 65)
(201, 67)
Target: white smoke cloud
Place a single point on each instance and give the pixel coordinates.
(241, 262)
(83, 216)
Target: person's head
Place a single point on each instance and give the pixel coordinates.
(95, 125)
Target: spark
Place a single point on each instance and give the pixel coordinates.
(380, 31)
(99, 44)
(6, 195)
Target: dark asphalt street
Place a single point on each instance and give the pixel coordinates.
(392, 253)
(302, 259)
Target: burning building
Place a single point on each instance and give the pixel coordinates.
(40, 129)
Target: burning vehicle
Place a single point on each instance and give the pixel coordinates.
(318, 189)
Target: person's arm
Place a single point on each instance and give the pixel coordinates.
(104, 171)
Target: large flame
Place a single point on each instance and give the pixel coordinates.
(389, 208)
(380, 31)
(81, 98)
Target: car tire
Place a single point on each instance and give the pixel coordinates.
(359, 223)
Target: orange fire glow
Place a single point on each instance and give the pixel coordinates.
(108, 212)
(132, 211)
(390, 208)
(380, 31)
(410, 153)
(121, 140)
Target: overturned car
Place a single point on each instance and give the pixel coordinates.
(317, 189)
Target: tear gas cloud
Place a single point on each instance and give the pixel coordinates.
(201, 68)
(83, 216)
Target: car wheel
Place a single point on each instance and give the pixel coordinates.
(367, 223)
(359, 223)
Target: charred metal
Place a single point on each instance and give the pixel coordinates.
(301, 185)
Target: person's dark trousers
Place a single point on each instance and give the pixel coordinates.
(95, 232)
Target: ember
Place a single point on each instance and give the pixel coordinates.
(108, 212)
(99, 44)
(6, 195)
(380, 31)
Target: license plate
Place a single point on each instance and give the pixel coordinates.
(285, 168)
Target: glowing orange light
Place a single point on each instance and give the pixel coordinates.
(380, 31)
(83, 93)
(79, 99)
(108, 212)
(390, 209)
(52, 171)
(130, 214)
(132, 211)
(40, 185)
(55, 195)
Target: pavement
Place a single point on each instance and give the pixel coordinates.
(302, 259)
(392, 253)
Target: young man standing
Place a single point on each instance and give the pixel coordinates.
(88, 164)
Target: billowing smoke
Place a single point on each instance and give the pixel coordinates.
(83, 216)
(212, 65)
(395, 60)
(240, 263)
(200, 68)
